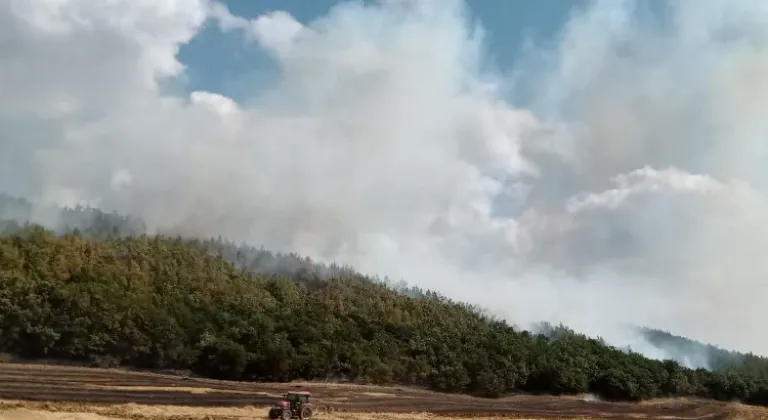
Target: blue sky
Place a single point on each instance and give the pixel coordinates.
(220, 62)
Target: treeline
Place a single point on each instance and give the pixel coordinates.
(716, 358)
(160, 302)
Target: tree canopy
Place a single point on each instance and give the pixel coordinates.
(242, 313)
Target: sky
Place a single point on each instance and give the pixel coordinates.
(219, 62)
(599, 165)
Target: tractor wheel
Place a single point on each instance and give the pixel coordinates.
(305, 413)
(274, 414)
(287, 415)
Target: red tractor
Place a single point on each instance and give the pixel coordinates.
(294, 405)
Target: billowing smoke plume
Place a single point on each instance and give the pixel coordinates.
(619, 178)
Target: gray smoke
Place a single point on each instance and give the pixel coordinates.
(619, 182)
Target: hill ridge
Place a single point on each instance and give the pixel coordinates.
(109, 298)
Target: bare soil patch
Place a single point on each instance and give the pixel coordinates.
(47, 392)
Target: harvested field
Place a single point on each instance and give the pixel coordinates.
(48, 392)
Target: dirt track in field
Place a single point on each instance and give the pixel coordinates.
(47, 392)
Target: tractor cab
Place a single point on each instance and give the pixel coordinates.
(295, 404)
(297, 398)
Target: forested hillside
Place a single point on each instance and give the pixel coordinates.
(718, 359)
(99, 291)
(159, 302)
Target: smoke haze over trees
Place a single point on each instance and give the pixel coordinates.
(168, 303)
(613, 178)
(93, 222)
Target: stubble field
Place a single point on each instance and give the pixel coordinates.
(49, 392)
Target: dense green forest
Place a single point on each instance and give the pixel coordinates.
(106, 295)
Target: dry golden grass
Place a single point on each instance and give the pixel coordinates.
(190, 389)
(40, 414)
(22, 410)
(745, 412)
(26, 410)
(26, 414)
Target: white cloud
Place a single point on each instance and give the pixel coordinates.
(633, 193)
(276, 31)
